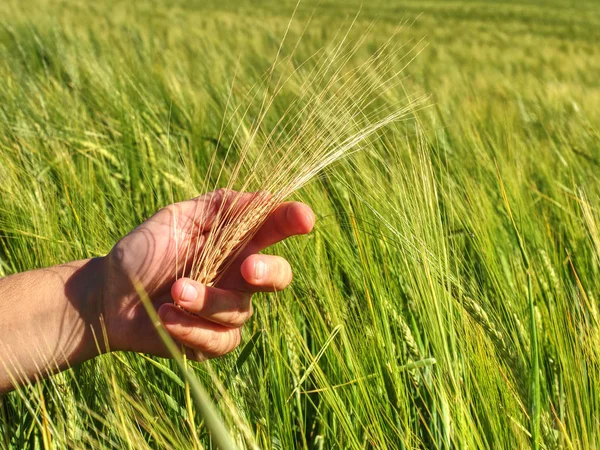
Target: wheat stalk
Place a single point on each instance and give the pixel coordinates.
(333, 115)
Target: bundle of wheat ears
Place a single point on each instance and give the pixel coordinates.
(335, 110)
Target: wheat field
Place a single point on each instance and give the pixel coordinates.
(448, 296)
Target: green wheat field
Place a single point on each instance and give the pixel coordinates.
(448, 296)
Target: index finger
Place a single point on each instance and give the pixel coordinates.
(289, 219)
(201, 213)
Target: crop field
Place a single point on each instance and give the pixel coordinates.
(448, 295)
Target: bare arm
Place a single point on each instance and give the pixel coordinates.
(46, 320)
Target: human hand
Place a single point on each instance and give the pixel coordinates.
(211, 323)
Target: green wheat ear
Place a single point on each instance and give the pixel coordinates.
(111, 110)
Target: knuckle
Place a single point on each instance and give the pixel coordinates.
(117, 254)
(241, 303)
(170, 210)
(284, 272)
(216, 199)
(247, 312)
(216, 344)
(120, 258)
(223, 343)
(236, 320)
(221, 194)
(186, 333)
(236, 338)
(239, 318)
(280, 223)
(170, 214)
(238, 311)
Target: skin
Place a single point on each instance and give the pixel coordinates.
(54, 318)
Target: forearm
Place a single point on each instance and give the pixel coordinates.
(46, 320)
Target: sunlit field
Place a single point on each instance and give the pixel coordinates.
(448, 295)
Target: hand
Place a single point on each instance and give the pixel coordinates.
(211, 323)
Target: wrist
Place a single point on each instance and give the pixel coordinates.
(114, 305)
(86, 288)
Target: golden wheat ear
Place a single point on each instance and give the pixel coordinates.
(337, 108)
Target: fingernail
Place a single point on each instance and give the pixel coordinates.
(189, 293)
(260, 269)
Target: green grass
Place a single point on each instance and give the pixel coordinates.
(448, 297)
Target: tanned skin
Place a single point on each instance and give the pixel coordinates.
(55, 318)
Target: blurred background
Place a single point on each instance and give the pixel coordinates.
(448, 296)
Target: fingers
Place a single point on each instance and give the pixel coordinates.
(225, 307)
(211, 323)
(289, 219)
(205, 338)
(266, 273)
(201, 213)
